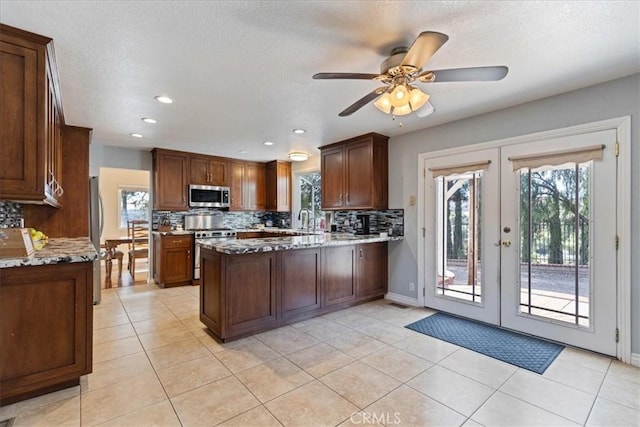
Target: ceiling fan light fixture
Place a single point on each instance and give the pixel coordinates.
(399, 96)
(402, 111)
(417, 98)
(383, 103)
(297, 156)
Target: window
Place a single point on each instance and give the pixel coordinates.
(133, 204)
(310, 197)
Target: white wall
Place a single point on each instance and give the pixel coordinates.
(117, 157)
(110, 180)
(604, 101)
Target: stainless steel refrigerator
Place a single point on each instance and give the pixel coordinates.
(95, 224)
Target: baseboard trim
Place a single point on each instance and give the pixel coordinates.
(635, 359)
(402, 299)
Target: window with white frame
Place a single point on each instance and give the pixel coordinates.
(133, 204)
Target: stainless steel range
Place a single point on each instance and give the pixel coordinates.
(206, 226)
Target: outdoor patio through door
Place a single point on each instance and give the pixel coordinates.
(522, 236)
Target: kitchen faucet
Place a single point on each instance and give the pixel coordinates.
(309, 218)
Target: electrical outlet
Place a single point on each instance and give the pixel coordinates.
(412, 286)
(412, 200)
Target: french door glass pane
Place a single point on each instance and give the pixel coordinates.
(459, 252)
(554, 242)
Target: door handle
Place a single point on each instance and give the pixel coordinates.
(506, 243)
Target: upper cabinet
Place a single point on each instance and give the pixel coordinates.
(171, 180)
(247, 189)
(279, 186)
(355, 173)
(207, 170)
(31, 119)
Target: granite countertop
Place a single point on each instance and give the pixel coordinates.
(248, 246)
(60, 250)
(284, 231)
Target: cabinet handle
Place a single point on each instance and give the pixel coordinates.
(340, 197)
(361, 251)
(348, 197)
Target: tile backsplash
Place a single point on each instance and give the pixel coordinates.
(236, 220)
(345, 221)
(10, 214)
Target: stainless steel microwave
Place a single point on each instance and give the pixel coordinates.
(208, 196)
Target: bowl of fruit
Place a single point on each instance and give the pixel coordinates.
(38, 238)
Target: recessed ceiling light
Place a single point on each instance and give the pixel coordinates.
(149, 120)
(243, 151)
(299, 131)
(136, 135)
(268, 143)
(164, 99)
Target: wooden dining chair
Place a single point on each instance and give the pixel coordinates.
(138, 232)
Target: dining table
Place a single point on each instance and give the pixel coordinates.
(110, 247)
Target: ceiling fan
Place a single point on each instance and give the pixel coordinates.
(402, 69)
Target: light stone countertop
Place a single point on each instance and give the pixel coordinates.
(62, 250)
(247, 246)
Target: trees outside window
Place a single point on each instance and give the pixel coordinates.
(133, 205)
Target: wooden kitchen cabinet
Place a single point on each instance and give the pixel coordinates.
(279, 186)
(355, 173)
(31, 119)
(208, 170)
(339, 274)
(371, 270)
(172, 259)
(171, 175)
(46, 328)
(237, 292)
(299, 282)
(248, 186)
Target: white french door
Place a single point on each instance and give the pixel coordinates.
(523, 236)
(558, 271)
(461, 230)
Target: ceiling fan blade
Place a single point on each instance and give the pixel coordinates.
(426, 110)
(363, 101)
(423, 48)
(473, 74)
(349, 76)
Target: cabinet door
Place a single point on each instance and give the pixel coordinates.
(21, 163)
(212, 297)
(237, 186)
(332, 169)
(299, 282)
(272, 186)
(283, 187)
(46, 315)
(219, 172)
(359, 175)
(199, 168)
(338, 271)
(177, 264)
(371, 270)
(170, 170)
(250, 287)
(255, 187)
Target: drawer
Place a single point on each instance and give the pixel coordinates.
(177, 241)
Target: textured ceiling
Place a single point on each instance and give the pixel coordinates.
(240, 72)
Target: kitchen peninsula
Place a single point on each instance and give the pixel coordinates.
(253, 285)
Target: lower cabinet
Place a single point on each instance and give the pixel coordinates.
(172, 260)
(339, 274)
(46, 328)
(299, 280)
(371, 270)
(248, 293)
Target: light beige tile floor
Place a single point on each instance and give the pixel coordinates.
(155, 365)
